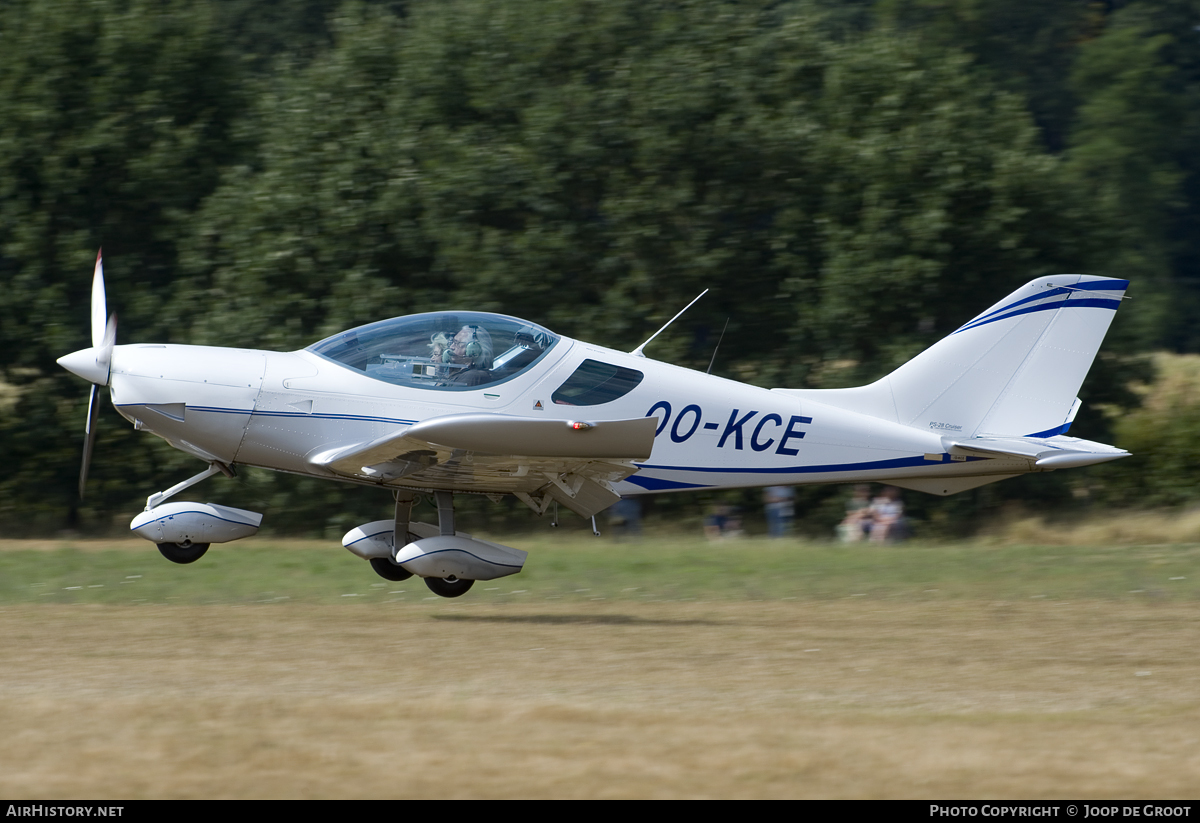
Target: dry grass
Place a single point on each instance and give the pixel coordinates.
(843, 698)
(1131, 528)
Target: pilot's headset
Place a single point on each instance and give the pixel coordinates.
(474, 349)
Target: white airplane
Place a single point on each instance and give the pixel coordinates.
(468, 402)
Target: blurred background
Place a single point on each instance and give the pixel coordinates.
(853, 179)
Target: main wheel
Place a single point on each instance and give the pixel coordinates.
(447, 587)
(388, 570)
(188, 552)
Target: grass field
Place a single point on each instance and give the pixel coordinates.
(668, 668)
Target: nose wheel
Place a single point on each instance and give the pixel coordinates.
(187, 552)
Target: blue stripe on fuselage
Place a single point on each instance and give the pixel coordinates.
(871, 465)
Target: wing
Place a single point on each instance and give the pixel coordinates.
(540, 461)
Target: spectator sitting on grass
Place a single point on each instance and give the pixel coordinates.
(857, 523)
(887, 517)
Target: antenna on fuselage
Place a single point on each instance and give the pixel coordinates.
(718, 346)
(638, 351)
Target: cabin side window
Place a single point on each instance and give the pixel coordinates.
(594, 383)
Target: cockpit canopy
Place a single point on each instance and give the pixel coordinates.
(445, 350)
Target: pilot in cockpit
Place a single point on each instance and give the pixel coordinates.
(471, 350)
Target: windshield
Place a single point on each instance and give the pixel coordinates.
(446, 350)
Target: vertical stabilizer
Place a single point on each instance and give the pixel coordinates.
(1014, 370)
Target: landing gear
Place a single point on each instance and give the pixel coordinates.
(448, 586)
(388, 570)
(448, 563)
(186, 552)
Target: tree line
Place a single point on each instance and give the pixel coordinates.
(852, 180)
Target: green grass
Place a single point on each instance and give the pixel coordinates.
(587, 568)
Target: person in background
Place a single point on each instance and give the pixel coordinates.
(887, 517)
(714, 521)
(625, 518)
(779, 506)
(856, 525)
(723, 521)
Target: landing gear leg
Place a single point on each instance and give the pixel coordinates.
(383, 566)
(445, 504)
(449, 586)
(404, 503)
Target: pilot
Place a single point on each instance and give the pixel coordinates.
(472, 349)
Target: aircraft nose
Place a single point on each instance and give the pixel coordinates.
(85, 363)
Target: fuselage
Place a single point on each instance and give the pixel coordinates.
(276, 410)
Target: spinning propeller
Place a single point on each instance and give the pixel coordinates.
(94, 364)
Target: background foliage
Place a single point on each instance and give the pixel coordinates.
(852, 180)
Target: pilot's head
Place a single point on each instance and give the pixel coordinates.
(472, 346)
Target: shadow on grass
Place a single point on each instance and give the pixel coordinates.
(566, 619)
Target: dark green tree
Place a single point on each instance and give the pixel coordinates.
(849, 196)
(593, 166)
(1023, 46)
(1133, 153)
(114, 122)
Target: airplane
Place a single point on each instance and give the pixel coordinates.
(465, 402)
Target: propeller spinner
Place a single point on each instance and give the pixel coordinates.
(93, 364)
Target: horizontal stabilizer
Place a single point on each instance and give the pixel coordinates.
(1006, 457)
(1043, 452)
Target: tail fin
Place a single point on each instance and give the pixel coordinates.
(1014, 370)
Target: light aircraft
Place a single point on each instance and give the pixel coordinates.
(468, 402)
